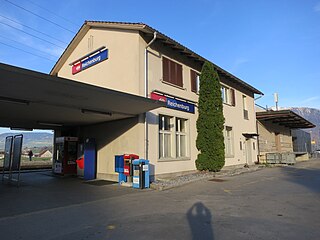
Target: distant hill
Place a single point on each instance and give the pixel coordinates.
(30, 139)
(312, 115)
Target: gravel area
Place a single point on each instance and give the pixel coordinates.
(167, 183)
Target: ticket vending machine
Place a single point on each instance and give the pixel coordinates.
(141, 173)
(66, 155)
(123, 166)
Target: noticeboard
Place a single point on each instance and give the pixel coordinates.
(16, 156)
(7, 153)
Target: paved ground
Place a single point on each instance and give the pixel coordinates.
(273, 203)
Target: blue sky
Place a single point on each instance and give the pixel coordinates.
(273, 45)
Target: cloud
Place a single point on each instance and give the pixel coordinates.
(316, 8)
(11, 21)
(311, 99)
(238, 62)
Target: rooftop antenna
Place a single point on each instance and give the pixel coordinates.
(276, 100)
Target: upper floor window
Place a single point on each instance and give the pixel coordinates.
(245, 109)
(228, 95)
(195, 81)
(172, 72)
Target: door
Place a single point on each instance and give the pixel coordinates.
(278, 142)
(248, 151)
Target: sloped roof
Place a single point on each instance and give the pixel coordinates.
(142, 27)
(285, 118)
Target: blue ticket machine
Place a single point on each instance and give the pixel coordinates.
(140, 177)
(119, 168)
(90, 159)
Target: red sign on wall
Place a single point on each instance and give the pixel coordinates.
(76, 68)
(158, 97)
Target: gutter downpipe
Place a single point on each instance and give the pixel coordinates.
(146, 135)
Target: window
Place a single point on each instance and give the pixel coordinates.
(173, 137)
(245, 109)
(228, 96)
(195, 81)
(172, 72)
(228, 141)
(181, 137)
(165, 136)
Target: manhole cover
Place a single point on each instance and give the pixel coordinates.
(217, 180)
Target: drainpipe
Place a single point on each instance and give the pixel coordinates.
(146, 135)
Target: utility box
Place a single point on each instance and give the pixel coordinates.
(288, 158)
(90, 159)
(141, 174)
(273, 158)
(124, 166)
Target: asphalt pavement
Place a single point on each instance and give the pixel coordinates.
(273, 203)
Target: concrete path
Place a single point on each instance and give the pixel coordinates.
(274, 203)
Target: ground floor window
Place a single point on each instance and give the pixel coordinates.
(228, 141)
(173, 137)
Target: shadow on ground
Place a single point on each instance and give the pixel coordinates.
(307, 177)
(200, 222)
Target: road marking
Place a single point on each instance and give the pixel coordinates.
(227, 191)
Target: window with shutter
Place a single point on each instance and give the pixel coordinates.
(194, 76)
(172, 72)
(233, 97)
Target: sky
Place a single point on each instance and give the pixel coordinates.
(273, 45)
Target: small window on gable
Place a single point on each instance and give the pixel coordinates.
(172, 72)
(195, 81)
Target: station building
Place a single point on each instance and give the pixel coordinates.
(136, 59)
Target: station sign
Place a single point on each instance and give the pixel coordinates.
(89, 62)
(174, 103)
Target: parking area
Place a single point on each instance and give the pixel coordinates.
(274, 203)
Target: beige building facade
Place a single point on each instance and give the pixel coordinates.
(145, 62)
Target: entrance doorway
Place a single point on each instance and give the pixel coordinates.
(248, 151)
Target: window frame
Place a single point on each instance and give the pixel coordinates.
(174, 133)
(195, 86)
(228, 95)
(245, 107)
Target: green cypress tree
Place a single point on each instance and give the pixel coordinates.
(210, 140)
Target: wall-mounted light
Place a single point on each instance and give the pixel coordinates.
(14, 100)
(21, 129)
(50, 124)
(88, 111)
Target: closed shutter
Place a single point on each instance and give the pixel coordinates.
(166, 69)
(172, 72)
(193, 77)
(233, 97)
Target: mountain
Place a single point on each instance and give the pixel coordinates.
(312, 115)
(30, 139)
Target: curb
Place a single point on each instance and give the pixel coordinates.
(173, 183)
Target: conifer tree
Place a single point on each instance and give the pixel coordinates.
(210, 140)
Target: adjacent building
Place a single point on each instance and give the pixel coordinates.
(137, 59)
(275, 132)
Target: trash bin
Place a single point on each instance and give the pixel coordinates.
(140, 174)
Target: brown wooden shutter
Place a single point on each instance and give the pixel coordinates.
(233, 97)
(166, 69)
(193, 77)
(172, 72)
